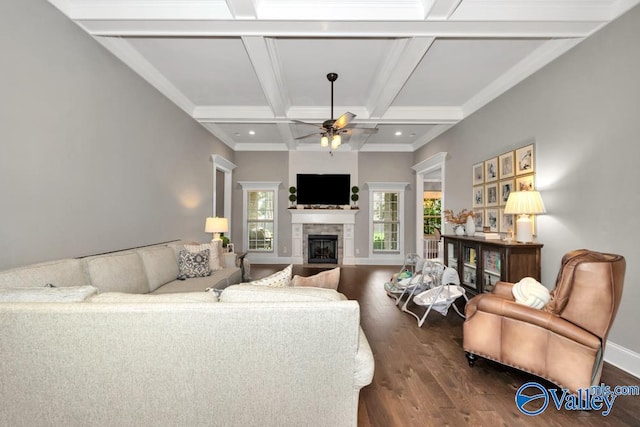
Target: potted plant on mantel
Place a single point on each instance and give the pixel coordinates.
(355, 196)
(292, 197)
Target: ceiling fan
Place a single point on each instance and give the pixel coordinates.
(332, 130)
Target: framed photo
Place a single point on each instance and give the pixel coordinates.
(230, 248)
(525, 183)
(506, 165)
(491, 220)
(525, 161)
(478, 196)
(506, 222)
(478, 173)
(491, 194)
(478, 218)
(506, 187)
(491, 170)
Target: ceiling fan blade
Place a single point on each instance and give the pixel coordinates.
(343, 120)
(363, 131)
(305, 123)
(307, 136)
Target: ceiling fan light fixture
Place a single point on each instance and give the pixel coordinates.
(324, 141)
(336, 141)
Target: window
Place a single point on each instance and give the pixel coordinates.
(260, 216)
(385, 221)
(432, 212)
(386, 204)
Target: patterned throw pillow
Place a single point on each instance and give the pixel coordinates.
(280, 279)
(193, 264)
(215, 251)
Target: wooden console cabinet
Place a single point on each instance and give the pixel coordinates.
(481, 263)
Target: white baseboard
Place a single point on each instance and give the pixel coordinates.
(623, 358)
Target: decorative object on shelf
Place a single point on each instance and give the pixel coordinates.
(354, 196)
(459, 221)
(470, 226)
(292, 196)
(216, 226)
(230, 248)
(524, 203)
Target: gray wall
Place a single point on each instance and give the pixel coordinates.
(92, 158)
(583, 112)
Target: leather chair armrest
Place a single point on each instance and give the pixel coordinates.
(510, 309)
(503, 290)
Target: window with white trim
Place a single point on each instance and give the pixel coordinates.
(260, 215)
(386, 207)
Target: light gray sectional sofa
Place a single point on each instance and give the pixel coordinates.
(103, 348)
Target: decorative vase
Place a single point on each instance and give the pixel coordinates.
(459, 230)
(470, 226)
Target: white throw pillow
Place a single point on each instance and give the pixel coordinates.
(530, 292)
(247, 292)
(280, 279)
(215, 252)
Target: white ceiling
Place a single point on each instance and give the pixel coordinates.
(411, 66)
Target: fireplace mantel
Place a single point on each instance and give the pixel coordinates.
(346, 217)
(323, 216)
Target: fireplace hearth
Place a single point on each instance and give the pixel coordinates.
(322, 249)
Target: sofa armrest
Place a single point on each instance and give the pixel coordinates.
(364, 363)
(511, 310)
(503, 290)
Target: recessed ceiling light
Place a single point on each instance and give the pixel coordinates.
(398, 133)
(252, 132)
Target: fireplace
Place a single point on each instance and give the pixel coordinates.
(322, 249)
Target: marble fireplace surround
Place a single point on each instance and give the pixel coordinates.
(323, 221)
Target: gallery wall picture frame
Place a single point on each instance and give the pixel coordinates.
(506, 187)
(491, 170)
(491, 220)
(478, 197)
(491, 194)
(506, 222)
(525, 183)
(478, 173)
(478, 218)
(525, 160)
(506, 166)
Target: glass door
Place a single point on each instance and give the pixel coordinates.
(452, 255)
(470, 267)
(491, 268)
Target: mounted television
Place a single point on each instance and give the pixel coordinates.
(323, 189)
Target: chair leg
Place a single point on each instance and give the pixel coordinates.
(471, 358)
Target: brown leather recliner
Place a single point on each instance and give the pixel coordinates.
(564, 342)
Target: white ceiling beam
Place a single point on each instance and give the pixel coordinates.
(287, 135)
(242, 9)
(264, 58)
(144, 9)
(402, 60)
(220, 134)
(275, 28)
(442, 9)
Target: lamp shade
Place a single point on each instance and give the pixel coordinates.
(524, 202)
(216, 225)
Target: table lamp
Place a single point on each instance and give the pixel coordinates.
(216, 226)
(523, 204)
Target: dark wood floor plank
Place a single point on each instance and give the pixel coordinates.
(422, 377)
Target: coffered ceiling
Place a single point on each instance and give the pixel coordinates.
(245, 69)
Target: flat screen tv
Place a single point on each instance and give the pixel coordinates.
(323, 189)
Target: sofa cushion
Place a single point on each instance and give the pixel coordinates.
(160, 265)
(119, 297)
(325, 279)
(215, 253)
(277, 279)
(119, 272)
(247, 292)
(62, 272)
(219, 279)
(47, 294)
(193, 264)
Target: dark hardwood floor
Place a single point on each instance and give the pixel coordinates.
(422, 377)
